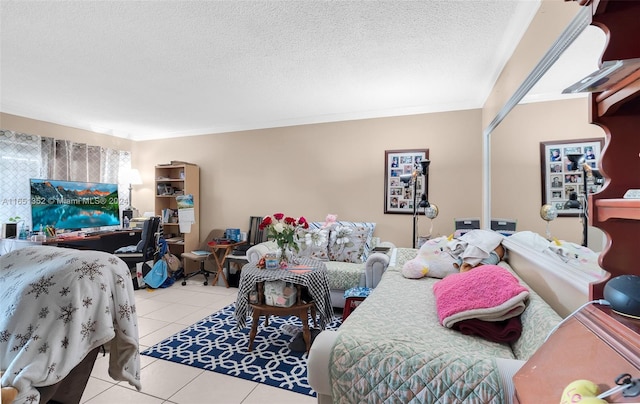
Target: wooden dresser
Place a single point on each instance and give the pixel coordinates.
(595, 344)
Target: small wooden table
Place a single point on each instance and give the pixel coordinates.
(315, 280)
(300, 308)
(219, 252)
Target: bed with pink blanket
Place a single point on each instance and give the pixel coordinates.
(433, 340)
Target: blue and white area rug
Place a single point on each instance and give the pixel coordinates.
(213, 344)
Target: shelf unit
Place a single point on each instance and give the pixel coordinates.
(184, 177)
(617, 111)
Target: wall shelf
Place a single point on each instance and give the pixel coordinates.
(618, 209)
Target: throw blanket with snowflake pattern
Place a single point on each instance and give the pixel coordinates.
(57, 305)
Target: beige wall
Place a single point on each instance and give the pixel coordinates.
(338, 167)
(314, 170)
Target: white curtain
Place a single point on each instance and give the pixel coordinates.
(20, 159)
(24, 156)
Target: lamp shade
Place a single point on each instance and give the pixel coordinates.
(432, 211)
(406, 178)
(424, 203)
(575, 159)
(134, 177)
(425, 166)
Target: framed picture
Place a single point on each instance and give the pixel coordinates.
(398, 165)
(563, 183)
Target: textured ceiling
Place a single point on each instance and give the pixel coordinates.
(155, 69)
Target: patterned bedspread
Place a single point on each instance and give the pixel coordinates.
(56, 306)
(394, 349)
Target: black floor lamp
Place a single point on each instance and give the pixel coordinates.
(578, 161)
(412, 179)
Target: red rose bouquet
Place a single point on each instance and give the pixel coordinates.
(284, 231)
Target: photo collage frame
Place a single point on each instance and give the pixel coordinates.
(560, 181)
(399, 197)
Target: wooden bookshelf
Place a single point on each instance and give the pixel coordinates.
(171, 181)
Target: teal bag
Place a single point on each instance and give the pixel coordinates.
(157, 275)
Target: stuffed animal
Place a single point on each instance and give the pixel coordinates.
(581, 391)
(436, 266)
(443, 256)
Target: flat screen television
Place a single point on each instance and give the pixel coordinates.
(73, 205)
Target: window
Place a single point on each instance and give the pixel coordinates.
(24, 156)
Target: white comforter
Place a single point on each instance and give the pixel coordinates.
(58, 304)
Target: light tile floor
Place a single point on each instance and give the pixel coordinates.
(162, 313)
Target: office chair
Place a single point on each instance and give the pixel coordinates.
(145, 250)
(200, 256)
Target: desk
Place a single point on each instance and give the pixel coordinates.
(219, 252)
(107, 242)
(315, 280)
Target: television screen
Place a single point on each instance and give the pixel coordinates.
(73, 205)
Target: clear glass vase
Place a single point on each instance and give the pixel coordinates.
(286, 256)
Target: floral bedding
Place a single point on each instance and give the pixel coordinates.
(59, 304)
(395, 350)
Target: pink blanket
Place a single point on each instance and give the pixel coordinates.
(487, 292)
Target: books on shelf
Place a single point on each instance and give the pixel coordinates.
(167, 214)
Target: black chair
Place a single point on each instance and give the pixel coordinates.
(255, 235)
(145, 250)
